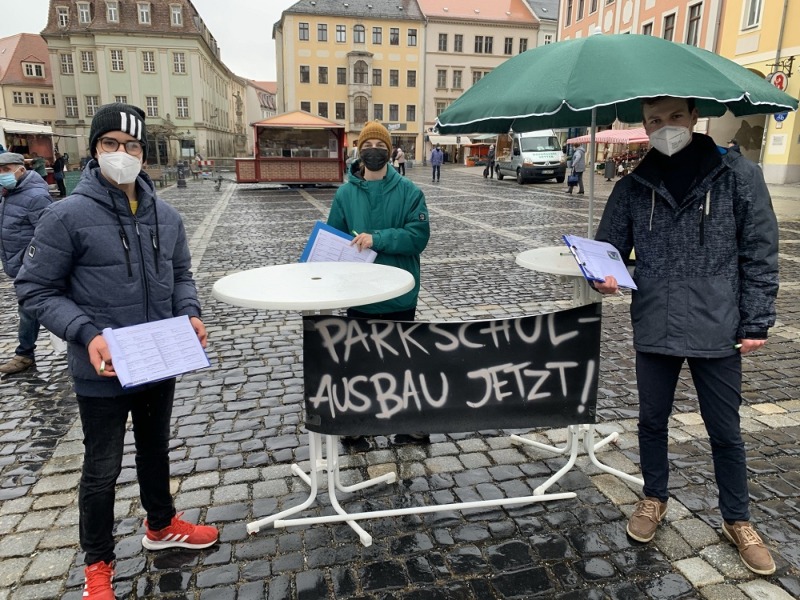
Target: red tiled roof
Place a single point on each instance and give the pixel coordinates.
(511, 11)
(27, 47)
(271, 87)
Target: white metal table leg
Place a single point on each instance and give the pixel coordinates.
(574, 433)
(314, 441)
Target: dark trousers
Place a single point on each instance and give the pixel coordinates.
(718, 382)
(400, 315)
(103, 421)
(28, 334)
(401, 168)
(62, 188)
(437, 172)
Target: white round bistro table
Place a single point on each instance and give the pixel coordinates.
(313, 286)
(558, 260)
(316, 287)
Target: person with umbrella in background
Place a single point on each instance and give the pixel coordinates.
(706, 238)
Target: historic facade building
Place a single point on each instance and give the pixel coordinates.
(156, 54)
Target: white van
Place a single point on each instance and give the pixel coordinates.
(530, 155)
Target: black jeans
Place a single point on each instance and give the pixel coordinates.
(401, 168)
(103, 421)
(718, 382)
(437, 172)
(62, 188)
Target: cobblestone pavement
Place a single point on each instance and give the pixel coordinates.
(238, 427)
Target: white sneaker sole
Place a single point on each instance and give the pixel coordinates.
(156, 545)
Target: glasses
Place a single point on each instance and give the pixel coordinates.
(132, 147)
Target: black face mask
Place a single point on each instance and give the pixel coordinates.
(374, 159)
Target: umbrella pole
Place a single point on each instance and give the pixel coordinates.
(592, 147)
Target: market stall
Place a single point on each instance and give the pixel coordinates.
(294, 148)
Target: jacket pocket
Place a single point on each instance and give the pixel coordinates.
(713, 314)
(649, 309)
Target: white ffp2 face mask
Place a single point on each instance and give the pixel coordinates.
(670, 139)
(119, 167)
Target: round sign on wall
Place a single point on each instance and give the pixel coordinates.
(779, 80)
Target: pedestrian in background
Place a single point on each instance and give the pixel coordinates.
(437, 159)
(38, 164)
(401, 161)
(706, 241)
(387, 213)
(58, 174)
(112, 255)
(578, 167)
(25, 195)
(490, 163)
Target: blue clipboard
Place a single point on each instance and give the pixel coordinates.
(320, 226)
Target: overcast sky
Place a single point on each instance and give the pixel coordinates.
(243, 29)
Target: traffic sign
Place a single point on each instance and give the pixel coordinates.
(780, 116)
(779, 79)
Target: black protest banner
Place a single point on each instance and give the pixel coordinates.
(368, 377)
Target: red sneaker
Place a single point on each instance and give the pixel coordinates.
(98, 582)
(179, 534)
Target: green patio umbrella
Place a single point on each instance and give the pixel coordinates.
(600, 78)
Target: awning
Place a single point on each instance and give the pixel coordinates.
(449, 140)
(22, 127)
(636, 135)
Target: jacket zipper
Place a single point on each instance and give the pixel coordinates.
(144, 271)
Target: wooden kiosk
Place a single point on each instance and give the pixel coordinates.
(295, 148)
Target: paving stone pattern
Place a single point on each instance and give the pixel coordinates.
(238, 427)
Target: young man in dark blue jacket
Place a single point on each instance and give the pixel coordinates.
(24, 196)
(706, 238)
(111, 255)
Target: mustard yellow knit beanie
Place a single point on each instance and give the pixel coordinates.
(374, 130)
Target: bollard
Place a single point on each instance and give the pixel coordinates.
(181, 175)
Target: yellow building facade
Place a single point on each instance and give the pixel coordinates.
(764, 37)
(355, 62)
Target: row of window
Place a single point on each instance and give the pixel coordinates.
(483, 44)
(92, 103)
(751, 16)
(29, 98)
(359, 34)
(581, 5)
(117, 62)
(143, 11)
(361, 110)
(360, 75)
(668, 26)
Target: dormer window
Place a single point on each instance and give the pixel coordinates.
(144, 13)
(62, 14)
(112, 11)
(176, 10)
(33, 70)
(84, 13)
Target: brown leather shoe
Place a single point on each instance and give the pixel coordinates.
(16, 365)
(752, 551)
(645, 519)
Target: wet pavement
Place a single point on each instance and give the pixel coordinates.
(238, 427)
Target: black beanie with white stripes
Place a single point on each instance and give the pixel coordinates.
(118, 117)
